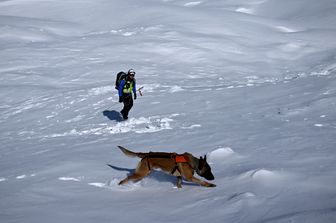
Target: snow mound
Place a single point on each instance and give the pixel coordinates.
(221, 153)
(262, 175)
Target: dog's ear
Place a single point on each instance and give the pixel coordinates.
(200, 163)
(205, 158)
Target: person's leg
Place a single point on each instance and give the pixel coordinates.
(128, 104)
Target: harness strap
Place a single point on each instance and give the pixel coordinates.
(176, 157)
(159, 155)
(148, 165)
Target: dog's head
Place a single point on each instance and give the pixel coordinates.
(204, 169)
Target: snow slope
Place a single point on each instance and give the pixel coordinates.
(250, 83)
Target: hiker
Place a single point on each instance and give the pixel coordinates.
(125, 89)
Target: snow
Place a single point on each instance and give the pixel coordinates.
(249, 83)
(69, 179)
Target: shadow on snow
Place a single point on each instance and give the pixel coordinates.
(155, 174)
(113, 115)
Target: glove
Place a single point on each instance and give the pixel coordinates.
(135, 96)
(120, 99)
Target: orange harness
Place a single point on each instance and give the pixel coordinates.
(176, 157)
(180, 159)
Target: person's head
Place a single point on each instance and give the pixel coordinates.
(131, 73)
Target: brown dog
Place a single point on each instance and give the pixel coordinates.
(179, 165)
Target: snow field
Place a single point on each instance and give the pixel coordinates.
(249, 83)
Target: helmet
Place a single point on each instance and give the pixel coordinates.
(131, 72)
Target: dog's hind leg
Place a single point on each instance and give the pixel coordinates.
(135, 177)
(140, 172)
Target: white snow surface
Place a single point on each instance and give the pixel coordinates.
(250, 83)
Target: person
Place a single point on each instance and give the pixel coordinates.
(126, 87)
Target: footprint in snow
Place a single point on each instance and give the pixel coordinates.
(264, 175)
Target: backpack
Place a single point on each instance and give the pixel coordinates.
(120, 76)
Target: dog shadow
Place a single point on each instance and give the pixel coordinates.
(113, 115)
(155, 174)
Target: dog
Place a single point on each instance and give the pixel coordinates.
(179, 165)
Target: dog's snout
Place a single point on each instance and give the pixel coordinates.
(211, 177)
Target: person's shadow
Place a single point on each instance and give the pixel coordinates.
(113, 115)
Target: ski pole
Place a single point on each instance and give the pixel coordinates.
(140, 90)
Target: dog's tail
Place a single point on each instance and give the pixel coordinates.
(130, 153)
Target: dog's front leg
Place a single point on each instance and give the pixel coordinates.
(201, 182)
(179, 182)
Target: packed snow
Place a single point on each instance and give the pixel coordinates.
(249, 83)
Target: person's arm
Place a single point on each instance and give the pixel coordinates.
(134, 87)
(121, 87)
